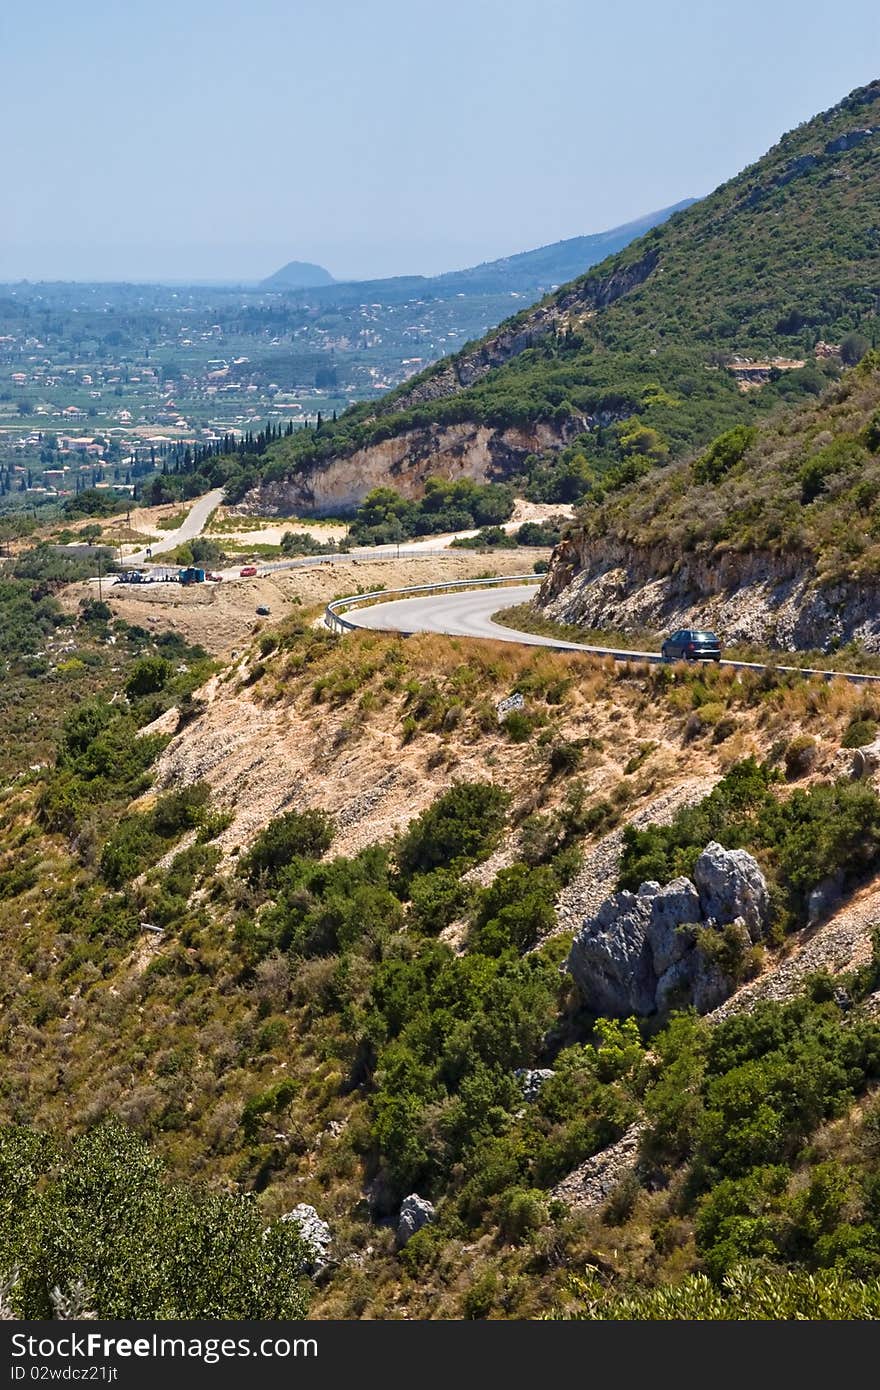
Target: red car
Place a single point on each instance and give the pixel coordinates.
(247, 570)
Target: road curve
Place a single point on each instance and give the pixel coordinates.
(468, 613)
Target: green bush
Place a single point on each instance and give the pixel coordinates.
(723, 454)
(800, 756)
(98, 1220)
(860, 733)
(148, 676)
(515, 911)
(521, 1212)
(139, 840)
(436, 899)
(519, 726)
(295, 835)
(565, 757)
(459, 828)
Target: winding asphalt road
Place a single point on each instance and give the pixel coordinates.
(468, 613)
(465, 613)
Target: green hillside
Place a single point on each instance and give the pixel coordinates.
(806, 483)
(339, 1024)
(783, 256)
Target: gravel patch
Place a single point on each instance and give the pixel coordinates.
(593, 1182)
(842, 943)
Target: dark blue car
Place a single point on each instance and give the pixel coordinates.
(691, 644)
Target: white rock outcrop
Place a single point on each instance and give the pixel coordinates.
(415, 1212)
(532, 1079)
(315, 1234)
(639, 953)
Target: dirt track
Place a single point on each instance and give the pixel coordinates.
(222, 617)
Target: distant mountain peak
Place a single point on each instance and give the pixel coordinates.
(299, 275)
(523, 272)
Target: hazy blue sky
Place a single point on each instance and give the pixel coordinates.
(205, 139)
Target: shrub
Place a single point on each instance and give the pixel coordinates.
(515, 911)
(519, 726)
(521, 1212)
(723, 454)
(480, 1297)
(99, 1220)
(800, 756)
(296, 834)
(565, 757)
(622, 1201)
(148, 677)
(460, 827)
(436, 899)
(181, 810)
(138, 840)
(860, 733)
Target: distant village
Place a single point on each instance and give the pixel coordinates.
(74, 415)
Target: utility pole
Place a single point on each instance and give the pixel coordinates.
(100, 596)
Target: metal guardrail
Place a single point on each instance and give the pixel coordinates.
(341, 556)
(333, 612)
(425, 552)
(337, 623)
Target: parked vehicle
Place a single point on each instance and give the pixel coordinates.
(247, 571)
(691, 644)
(214, 578)
(263, 610)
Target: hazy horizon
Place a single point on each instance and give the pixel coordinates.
(223, 281)
(202, 142)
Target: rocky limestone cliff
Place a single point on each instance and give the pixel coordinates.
(773, 601)
(641, 952)
(406, 462)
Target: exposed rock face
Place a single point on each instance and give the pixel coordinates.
(532, 1080)
(594, 1181)
(639, 953)
(315, 1234)
(866, 761)
(415, 1212)
(763, 599)
(731, 886)
(824, 899)
(805, 162)
(482, 452)
(405, 462)
(610, 957)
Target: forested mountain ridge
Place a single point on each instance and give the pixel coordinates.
(543, 267)
(635, 355)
